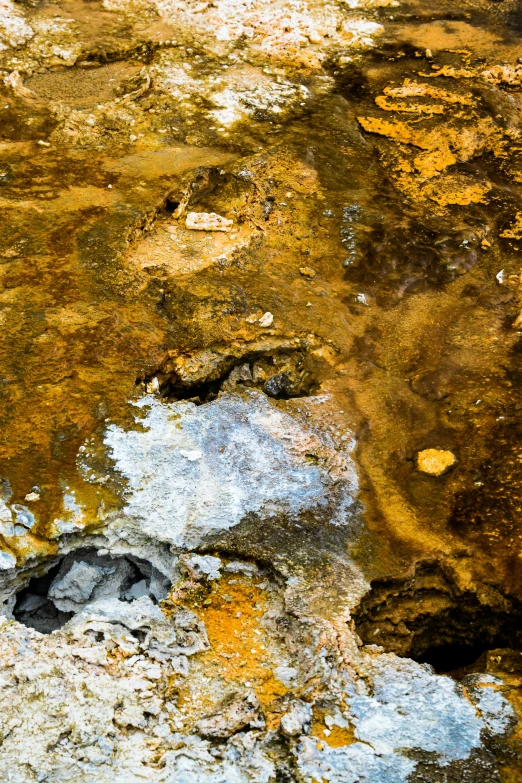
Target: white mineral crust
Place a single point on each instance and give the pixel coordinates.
(252, 458)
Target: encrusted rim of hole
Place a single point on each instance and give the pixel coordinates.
(282, 369)
(430, 619)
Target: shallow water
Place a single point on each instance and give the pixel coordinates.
(376, 191)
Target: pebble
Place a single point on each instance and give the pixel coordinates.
(191, 454)
(207, 221)
(7, 561)
(266, 320)
(435, 462)
(307, 271)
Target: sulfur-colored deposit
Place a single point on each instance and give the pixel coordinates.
(260, 391)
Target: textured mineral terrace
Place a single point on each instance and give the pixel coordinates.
(260, 372)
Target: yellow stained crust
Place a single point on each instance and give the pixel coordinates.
(241, 650)
(336, 736)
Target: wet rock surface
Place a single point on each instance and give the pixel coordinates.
(260, 466)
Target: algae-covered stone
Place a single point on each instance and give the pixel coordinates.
(435, 462)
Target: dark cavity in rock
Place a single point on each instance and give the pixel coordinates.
(430, 619)
(281, 375)
(80, 578)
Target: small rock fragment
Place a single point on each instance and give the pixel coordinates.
(207, 221)
(307, 271)
(32, 496)
(237, 567)
(258, 374)
(74, 588)
(266, 320)
(202, 565)
(23, 515)
(279, 386)
(297, 720)
(435, 462)
(237, 714)
(7, 561)
(153, 385)
(31, 603)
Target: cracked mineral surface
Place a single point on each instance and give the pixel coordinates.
(260, 346)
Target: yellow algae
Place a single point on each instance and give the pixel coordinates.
(334, 736)
(408, 108)
(398, 131)
(413, 89)
(432, 163)
(453, 72)
(456, 189)
(515, 232)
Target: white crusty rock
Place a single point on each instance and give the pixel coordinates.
(405, 708)
(199, 566)
(69, 591)
(238, 713)
(266, 320)
(297, 720)
(254, 458)
(14, 30)
(207, 221)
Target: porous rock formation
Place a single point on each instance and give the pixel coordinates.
(260, 303)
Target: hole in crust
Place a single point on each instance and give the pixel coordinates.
(452, 657)
(430, 619)
(282, 375)
(81, 578)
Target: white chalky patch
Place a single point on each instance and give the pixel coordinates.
(7, 561)
(496, 712)
(409, 709)
(193, 470)
(357, 763)
(14, 30)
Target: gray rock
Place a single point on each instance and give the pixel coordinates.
(138, 590)
(70, 591)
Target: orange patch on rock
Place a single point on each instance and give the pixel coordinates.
(239, 643)
(336, 737)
